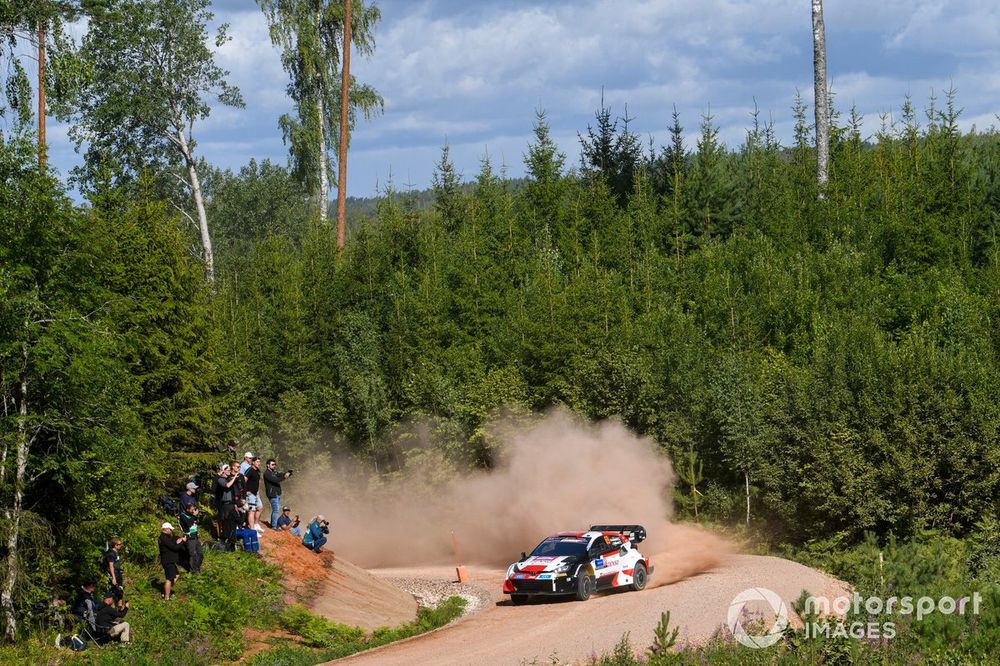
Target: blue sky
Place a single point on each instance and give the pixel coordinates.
(472, 74)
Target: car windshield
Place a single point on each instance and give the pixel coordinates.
(561, 547)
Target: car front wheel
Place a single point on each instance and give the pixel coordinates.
(584, 587)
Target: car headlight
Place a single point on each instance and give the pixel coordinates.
(563, 568)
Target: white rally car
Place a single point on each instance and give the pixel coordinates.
(580, 563)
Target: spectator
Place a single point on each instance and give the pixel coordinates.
(287, 524)
(248, 459)
(315, 536)
(188, 497)
(225, 498)
(111, 566)
(251, 543)
(272, 485)
(109, 620)
(170, 550)
(240, 487)
(85, 605)
(189, 527)
(254, 502)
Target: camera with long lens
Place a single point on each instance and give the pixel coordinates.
(324, 528)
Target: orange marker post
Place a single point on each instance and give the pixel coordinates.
(460, 571)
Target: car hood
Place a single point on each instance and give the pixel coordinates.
(543, 564)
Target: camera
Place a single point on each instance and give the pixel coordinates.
(289, 472)
(324, 528)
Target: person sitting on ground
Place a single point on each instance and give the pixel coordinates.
(189, 527)
(111, 566)
(85, 605)
(170, 552)
(315, 536)
(109, 620)
(189, 497)
(285, 522)
(251, 543)
(272, 487)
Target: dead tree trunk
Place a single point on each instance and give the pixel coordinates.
(820, 98)
(199, 204)
(345, 87)
(12, 513)
(324, 178)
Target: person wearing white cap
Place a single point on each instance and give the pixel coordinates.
(247, 461)
(170, 551)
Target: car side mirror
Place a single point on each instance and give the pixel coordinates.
(623, 550)
(524, 556)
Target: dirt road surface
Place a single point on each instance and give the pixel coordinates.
(571, 631)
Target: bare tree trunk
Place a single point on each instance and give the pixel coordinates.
(12, 513)
(41, 95)
(746, 477)
(199, 204)
(345, 88)
(821, 104)
(324, 179)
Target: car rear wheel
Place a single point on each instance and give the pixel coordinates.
(584, 587)
(639, 576)
(519, 599)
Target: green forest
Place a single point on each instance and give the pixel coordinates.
(820, 363)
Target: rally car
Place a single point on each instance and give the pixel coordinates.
(580, 563)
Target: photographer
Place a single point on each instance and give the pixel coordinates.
(272, 487)
(109, 620)
(315, 537)
(225, 497)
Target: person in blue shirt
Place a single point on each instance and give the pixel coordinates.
(315, 536)
(287, 523)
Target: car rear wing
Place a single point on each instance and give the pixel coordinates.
(634, 533)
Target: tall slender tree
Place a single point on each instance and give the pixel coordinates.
(310, 36)
(152, 77)
(821, 103)
(345, 87)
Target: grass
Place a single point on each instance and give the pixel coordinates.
(204, 623)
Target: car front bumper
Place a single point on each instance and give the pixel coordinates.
(545, 584)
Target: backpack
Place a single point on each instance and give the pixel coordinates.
(76, 644)
(170, 505)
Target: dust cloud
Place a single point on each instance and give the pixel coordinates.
(556, 474)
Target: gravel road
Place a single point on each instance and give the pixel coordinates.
(566, 632)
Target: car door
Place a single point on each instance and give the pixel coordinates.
(607, 560)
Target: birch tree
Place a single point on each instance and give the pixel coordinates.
(151, 78)
(821, 103)
(310, 36)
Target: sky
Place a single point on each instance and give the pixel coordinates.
(471, 74)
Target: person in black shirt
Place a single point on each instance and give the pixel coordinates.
(225, 498)
(109, 620)
(85, 604)
(254, 503)
(272, 485)
(189, 496)
(111, 566)
(170, 551)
